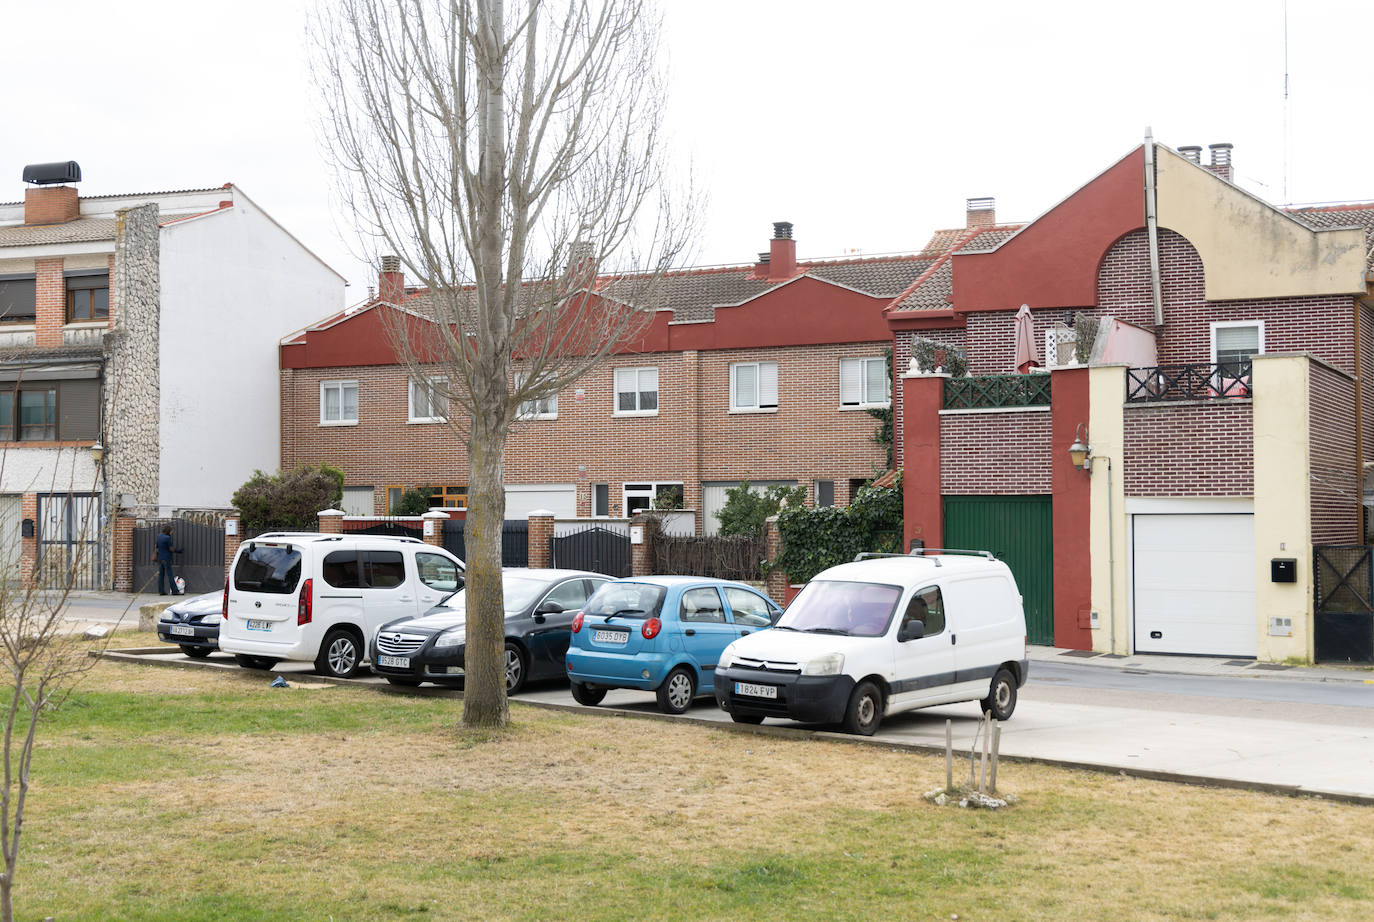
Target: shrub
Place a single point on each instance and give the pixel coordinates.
(745, 510)
(288, 500)
(414, 501)
(813, 539)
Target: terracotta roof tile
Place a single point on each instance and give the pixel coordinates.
(81, 230)
(932, 289)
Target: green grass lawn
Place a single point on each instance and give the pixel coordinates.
(168, 794)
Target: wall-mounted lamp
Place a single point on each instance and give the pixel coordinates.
(97, 452)
(1079, 452)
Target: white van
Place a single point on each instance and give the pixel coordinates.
(884, 634)
(316, 597)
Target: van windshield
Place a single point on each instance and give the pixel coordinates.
(832, 607)
(272, 568)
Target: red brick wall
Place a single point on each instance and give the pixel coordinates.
(124, 552)
(51, 302)
(1189, 449)
(901, 360)
(1334, 490)
(1366, 393)
(693, 438)
(995, 453)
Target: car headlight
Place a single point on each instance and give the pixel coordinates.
(830, 664)
(453, 637)
(726, 658)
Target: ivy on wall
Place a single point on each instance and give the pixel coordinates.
(814, 538)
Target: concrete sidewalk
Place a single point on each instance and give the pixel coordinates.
(1203, 666)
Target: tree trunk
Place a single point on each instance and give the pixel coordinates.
(484, 695)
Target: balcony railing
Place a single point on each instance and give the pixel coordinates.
(1188, 382)
(989, 392)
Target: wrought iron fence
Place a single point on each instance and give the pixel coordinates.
(1344, 589)
(720, 557)
(988, 392)
(600, 550)
(1188, 382)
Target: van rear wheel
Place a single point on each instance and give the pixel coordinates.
(1001, 699)
(339, 655)
(865, 709)
(248, 661)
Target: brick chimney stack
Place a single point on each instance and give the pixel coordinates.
(391, 283)
(1221, 160)
(982, 212)
(782, 252)
(51, 205)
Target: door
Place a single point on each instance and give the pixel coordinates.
(1018, 530)
(1194, 584)
(922, 668)
(548, 638)
(11, 547)
(436, 575)
(705, 630)
(387, 593)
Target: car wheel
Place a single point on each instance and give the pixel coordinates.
(516, 672)
(248, 661)
(677, 691)
(585, 694)
(405, 683)
(195, 652)
(746, 718)
(339, 655)
(1001, 699)
(865, 709)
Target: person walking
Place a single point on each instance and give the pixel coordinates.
(165, 577)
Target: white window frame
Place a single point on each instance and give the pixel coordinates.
(428, 385)
(863, 403)
(1231, 324)
(340, 385)
(654, 487)
(616, 391)
(758, 406)
(542, 408)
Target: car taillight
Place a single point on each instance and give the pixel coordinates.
(224, 604)
(651, 628)
(307, 603)
(577, 623)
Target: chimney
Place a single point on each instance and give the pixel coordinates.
(782, 252)
(1192, 152)
(581, 264)
(982, 212)
(1221, 160)
(391, 284)
(52, 203)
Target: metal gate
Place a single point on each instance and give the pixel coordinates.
(597, 549)
(515, 541)
(1019, 531)
(69, 547)
(198, 554)
(1343, 631)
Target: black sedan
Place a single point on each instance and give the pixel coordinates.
(193, 624)
(540, 606)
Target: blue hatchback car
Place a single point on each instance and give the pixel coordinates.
(661, 634)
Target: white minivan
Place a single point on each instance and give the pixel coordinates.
(883, 634)
(317, 598)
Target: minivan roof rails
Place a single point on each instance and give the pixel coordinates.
(922, 551)
(873, 555)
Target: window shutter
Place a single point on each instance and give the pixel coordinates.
(746, 390)
(850, 382)
(768, 384)
(1237, 340)
(876, 370)
(648, 387)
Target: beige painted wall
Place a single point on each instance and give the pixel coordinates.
(1107, 534)
(1283, 524)
(1250, 249)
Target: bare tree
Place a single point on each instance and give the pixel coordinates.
(513, 166)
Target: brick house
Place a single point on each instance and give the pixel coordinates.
(137, 356)
(1219, 406)
(757, 373)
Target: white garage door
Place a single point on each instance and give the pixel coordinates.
(11, 515)
(558, 498)
(1194, 578)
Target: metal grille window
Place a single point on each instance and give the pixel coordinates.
(338, 403)
(864, 383)
(636, 390)
(754, 386)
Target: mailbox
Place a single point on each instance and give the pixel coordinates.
(26, 529)
(1283, 570)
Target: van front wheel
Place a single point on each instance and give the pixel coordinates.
(1001, 699)
(865, 709)
(339, 655)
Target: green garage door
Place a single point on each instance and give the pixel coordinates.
(1018, 530)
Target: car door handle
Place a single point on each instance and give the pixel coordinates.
(690, 633)
(953, 638)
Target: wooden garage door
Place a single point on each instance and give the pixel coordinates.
(1019, 531)
(1194, 584)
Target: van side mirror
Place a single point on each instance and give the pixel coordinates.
(912, 630)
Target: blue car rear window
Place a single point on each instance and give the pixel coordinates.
(626, 600)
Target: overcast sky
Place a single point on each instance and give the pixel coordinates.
(865, 123)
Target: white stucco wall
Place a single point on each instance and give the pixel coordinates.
(47, 470)
(233, 283)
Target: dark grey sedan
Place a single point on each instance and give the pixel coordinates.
(540, 606)
(193, 624)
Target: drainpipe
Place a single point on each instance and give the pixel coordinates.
(1111, 553)
(1359, 425)
(1152, 228)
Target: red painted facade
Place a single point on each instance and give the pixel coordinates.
(1071, 511)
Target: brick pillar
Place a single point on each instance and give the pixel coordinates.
(50, 308)
(541, 533)
(434, 527)
(233, 537)
(642, 554)
(923, 396)
(331, 521)
(776, 581)
(28, 554)
(123, 551)
(1071, 512)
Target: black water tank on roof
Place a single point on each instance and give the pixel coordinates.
(43, 174)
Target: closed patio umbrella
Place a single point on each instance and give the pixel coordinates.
(1025, 340)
